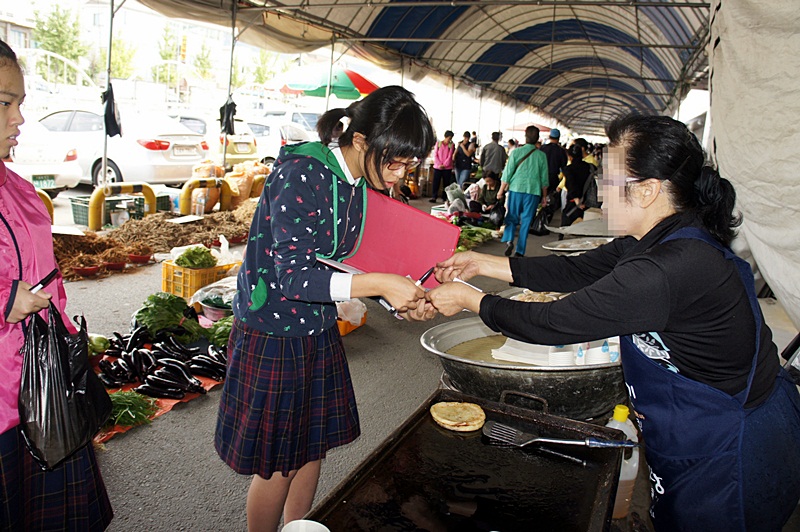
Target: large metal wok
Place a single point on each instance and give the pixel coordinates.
(577, 392)
(424, 477)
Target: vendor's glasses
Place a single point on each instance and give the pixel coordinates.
(618, 181)
(393, 166)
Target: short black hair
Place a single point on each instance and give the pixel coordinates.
(7, 54)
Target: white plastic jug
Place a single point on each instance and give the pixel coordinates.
(630, 466)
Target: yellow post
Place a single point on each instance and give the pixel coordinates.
(48, 203)
(185, 202)
(98, 197)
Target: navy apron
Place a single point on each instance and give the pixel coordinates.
(699, 448)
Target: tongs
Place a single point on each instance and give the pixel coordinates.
(517, 438)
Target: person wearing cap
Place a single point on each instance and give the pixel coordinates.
(556, 158)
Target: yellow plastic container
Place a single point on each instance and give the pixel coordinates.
(184, 282)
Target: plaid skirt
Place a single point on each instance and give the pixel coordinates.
(71, 497)
(285, 401)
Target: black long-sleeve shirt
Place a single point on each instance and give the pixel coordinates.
(683, 290)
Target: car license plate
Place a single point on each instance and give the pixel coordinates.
(184, 150)
(44, 181)
(242, 147)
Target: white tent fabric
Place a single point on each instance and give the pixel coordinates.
(754, 120)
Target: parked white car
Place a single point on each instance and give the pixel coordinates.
(44, 159)
(305, 119)
(271, 136)
(153, 148)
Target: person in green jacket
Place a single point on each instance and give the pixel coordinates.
(526, 180)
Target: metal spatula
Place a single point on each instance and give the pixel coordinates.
(510, 435)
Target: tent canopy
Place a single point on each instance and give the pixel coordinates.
(580, 61)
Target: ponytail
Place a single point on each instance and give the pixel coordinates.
(327, 124)
(716, 199)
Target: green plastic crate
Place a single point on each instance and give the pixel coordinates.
(163, 203)
(80, 208)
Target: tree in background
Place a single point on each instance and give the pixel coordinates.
(167, 73)
(122, 56)
(264, 69)
(202, 63)
(270, 64)
(58, 32)
(238, 76)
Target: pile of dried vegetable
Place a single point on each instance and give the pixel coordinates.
(152, 234)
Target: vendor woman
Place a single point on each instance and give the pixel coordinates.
(719, 416)
(288, 397)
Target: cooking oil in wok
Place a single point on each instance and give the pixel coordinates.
(480, 349)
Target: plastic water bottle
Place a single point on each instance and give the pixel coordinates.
(200, 206)
(630, 466)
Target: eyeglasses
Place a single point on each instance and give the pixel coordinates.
(393, 166)
(617, 181)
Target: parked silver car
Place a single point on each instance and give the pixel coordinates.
(271, 136)
(45, 159)
(153, 148)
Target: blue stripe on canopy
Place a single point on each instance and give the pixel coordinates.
(561, 30)
(542, 77)
(414, 22)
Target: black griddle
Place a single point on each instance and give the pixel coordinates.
(424, 477)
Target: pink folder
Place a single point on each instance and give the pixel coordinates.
(400, 239)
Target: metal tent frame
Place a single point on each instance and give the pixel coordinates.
(580, 61)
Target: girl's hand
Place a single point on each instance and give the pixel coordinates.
(425, 311)
(451, 298)
(463, 265)
(401, 292)
(26, 303)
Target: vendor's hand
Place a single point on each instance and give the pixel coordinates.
(401, 292)
(26, 303)
(425, 311)
(451, 298)
(464, 265)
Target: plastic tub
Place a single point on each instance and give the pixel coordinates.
(215, 313)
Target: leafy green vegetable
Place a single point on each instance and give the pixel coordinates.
(472, 236)
(129, 409)
(220, 331)
(197, 257)
(98, 344)
(216, 302)
(166, 311)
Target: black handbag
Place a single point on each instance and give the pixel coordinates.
(62, 403)
(542, 218)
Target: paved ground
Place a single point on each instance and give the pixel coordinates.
(167, 477)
